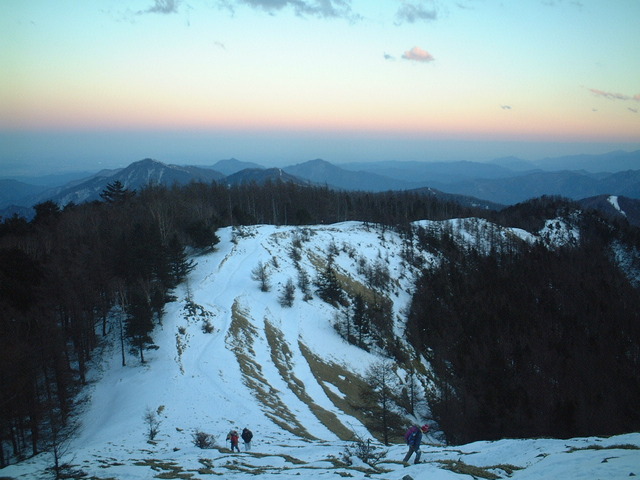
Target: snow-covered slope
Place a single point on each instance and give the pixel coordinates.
(231, 356)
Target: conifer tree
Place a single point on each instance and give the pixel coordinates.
(328, 287)
(288, 294)
(116, 192)
(179, 263)
(139, 323)
(360, 318)
(305, 285)
(382, 382)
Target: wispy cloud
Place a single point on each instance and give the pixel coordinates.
(315, 8)
(389, 57)
(418, 55)
(634, 110)
(505, 107)
(412, 12)
(162, 6)
(614, 96)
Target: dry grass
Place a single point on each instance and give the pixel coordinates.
(349, 384)
(167, 469)
(281, 356)
(241, 338)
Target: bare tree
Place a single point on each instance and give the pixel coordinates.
(152, 422)
(261, 274)
(61, 432)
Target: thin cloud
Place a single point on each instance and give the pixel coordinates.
(315, 8)
(505, 107)
(614, 96)
(418, 55)
(634, 110)
(162, 6)
(412, 12)
(389, 57)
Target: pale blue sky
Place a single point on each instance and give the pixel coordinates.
(107, 82)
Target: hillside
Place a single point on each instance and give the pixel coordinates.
(230, 355)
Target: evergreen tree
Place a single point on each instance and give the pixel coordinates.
(179, 263)
(288, 294)
(361, 319)
(305, 285)
(202, 235)
(382, 382)
(115, 192)
(327, 286)
(46, 212)
(139, 323)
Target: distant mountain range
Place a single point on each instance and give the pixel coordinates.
(617, 161)
(488, 185)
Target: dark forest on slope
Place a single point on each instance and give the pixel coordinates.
(63, 272)
(531, 342)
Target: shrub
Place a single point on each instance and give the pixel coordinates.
(202, 439)
(153, 423)
(364, 450)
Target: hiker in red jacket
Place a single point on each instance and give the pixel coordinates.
(233, 438)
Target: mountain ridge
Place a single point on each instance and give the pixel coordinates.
(285, 373)
(484, 184)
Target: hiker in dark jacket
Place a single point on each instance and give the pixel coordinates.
(247, 435)
(414, 439)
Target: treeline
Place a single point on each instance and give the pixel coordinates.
(529, 341)
(63, 273)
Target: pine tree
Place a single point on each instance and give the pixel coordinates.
(115, 192)
(179, 263)
(381, 381)
(305, 285)
(288, 294)
(328, 287)
(46, 212)
(361, 319)
(139, 323)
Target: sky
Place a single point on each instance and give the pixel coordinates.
(103, 83)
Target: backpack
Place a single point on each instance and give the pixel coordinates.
(410, 434)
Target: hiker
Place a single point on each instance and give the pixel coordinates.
(233, 438)
(413, 437)
(247, 435)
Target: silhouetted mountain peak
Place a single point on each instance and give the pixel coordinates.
(261, 176)
(233, 165)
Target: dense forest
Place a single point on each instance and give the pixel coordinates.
(480, 319)
(531, 341)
